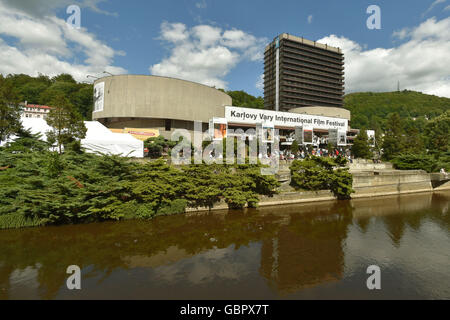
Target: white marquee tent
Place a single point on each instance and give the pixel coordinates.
(98, 138)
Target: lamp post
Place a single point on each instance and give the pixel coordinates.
(108, 73)
(89, 76)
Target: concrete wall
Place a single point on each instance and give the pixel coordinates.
(138, 96)
(369, 166)
(368, 184)
(120, 123)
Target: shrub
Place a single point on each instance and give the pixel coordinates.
(318, 173)
(415, 162)
(41, 187)
(175, 207)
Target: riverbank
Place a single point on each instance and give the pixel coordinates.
(39, 187)
(370, 180)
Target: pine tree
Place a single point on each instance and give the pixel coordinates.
(67, 123)
(437, 133)
(9, 110)
(361, 148)
(294, 147)
(393, 142)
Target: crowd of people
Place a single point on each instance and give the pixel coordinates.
(319, 152)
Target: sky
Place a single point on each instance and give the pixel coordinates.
(221, 43)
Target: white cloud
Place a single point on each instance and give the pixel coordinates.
(201, 5)
(421, 63)
(204, 53)
(42, 8)
(447, 8)
(50, 46)
(310, 18)
(401, 34)
(431, 7)
(173, 32)
(260, 83)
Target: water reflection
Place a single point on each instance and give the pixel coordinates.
(302, 251)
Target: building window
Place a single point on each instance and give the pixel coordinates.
(168, 125)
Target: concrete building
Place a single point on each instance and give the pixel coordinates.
(35, 111)
(138, 101)
(162, 104)
(302, 73)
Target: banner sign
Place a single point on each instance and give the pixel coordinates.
(299, 135)
(218, 128)
(268, 132)
(333, 137)
(308, 135)
(371, 137)
(342, 138)
(283, 119)
(99, 96)
(142, 134)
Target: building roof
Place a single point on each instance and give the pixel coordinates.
(37, 106)
(305, 41)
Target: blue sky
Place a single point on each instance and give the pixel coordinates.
(164, 38)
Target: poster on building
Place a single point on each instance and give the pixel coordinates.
(333, 137)
(371, 137)
(268, 131)
(142, 134)
(299, 135)
(308, 135)
(218, 128)
(99, 96)
(116, 130)
(342, 138)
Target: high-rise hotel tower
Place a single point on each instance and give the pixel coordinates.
(302, 73)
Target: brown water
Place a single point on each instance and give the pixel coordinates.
(311, 251)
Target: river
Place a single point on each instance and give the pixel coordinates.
(307, 251)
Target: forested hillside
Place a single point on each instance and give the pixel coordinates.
(245, 100)
(370, 109)
(42, 89)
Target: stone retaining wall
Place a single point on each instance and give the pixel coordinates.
(365, 183)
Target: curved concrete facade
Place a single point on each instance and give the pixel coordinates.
(139, 96)
(324, 111)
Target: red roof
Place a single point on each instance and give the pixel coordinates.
(37, 106)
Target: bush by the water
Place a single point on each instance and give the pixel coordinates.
(426, 162)
(39, 187)
(320, 173)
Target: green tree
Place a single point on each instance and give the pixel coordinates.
(437, 133)
(393, 142)
(9, 110)
(414, 142)
(156, 146)
(245, 100)
(361, 148)
(360, 121)
(318, 173)
(294, 147)
(67, 123)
